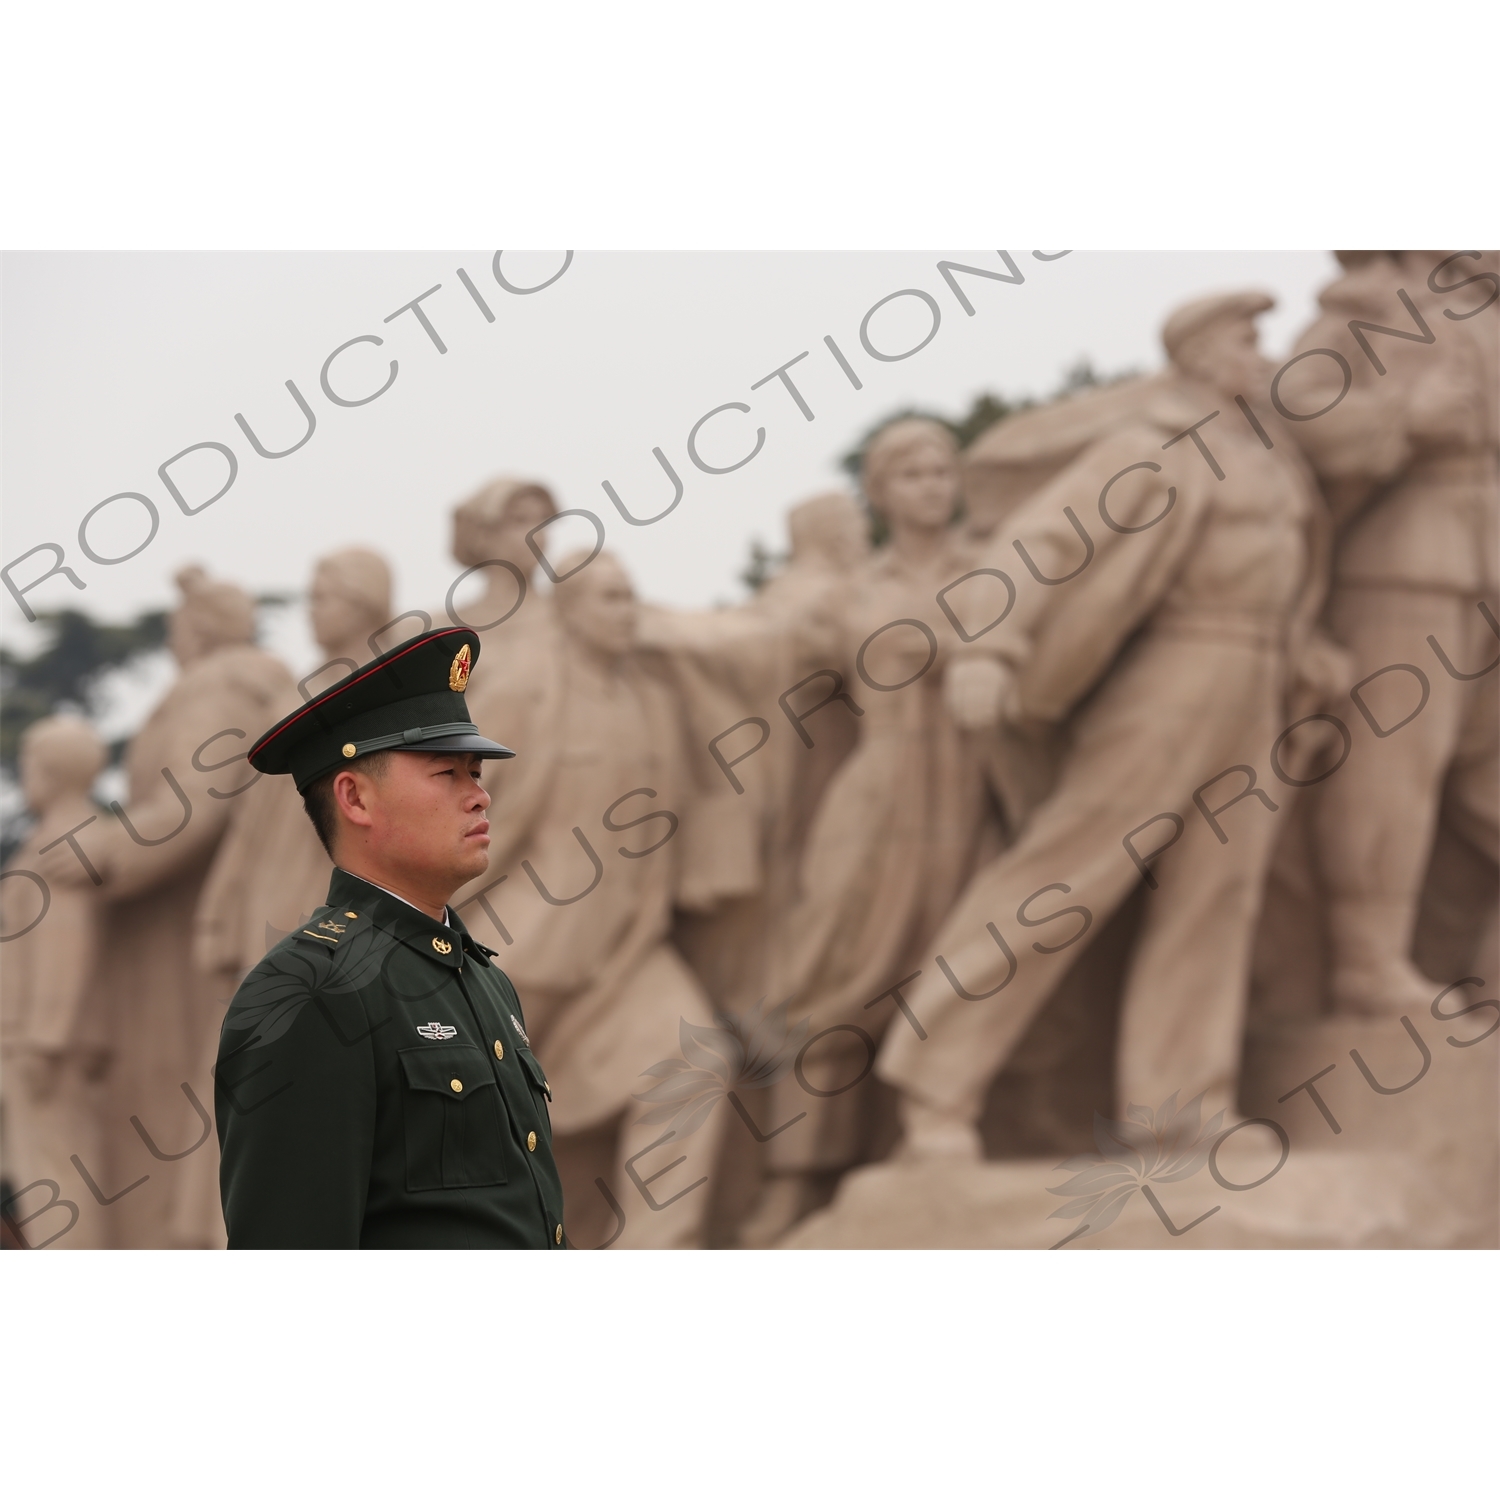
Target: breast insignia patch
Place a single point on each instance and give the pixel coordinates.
(435, 1031)
(458, 673)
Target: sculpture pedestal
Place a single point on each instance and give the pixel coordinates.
(1444, 1112)
(1318, 1201)
(1410, 1169)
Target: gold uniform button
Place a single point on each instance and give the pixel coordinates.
(531, 1140)
(456, 1086)
(351, 915)
(557, 1238)
(350, 752)
(500, 1051)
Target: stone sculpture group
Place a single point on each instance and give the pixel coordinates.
(1147, 763)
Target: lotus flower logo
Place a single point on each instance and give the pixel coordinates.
(1163, 1145)
(752, 1051)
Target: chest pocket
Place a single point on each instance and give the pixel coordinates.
(534, 1072)
(541, 1090)
(452, 1116)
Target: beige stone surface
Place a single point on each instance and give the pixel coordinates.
(54, 1042)
(1318, 1201)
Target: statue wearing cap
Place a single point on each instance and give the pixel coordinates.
(1163, 621)
(375, 1085)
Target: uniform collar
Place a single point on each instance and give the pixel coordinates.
(401, 920)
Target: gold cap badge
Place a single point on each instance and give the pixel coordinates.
(458, 673)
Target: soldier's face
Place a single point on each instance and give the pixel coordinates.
(423, 817)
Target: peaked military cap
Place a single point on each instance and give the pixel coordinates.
(411, 698)
(1194, 317)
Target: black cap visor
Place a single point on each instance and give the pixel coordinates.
(462, 744)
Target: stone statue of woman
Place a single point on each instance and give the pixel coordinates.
(904, 823)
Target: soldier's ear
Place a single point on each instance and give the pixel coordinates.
(351, 796)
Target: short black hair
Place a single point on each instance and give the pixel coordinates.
(317, 799)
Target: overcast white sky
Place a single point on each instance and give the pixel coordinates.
(115, 362)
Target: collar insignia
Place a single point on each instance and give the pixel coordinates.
(442, 945)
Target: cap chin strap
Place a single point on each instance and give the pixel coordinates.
(408, 738)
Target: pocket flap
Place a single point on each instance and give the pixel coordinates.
(438, 1067)
(534, 1069)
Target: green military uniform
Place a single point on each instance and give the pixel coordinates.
(375, 1087)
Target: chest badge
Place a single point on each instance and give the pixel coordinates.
(442, 945)
(435, 1031)
(520, 1031)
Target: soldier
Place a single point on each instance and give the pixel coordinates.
(375, 1086)
(1178, 641)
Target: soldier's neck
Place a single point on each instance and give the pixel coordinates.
(394, 883)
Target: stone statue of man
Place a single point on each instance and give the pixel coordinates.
(1410, 459)
(584, 869)
(1166, 613)
(184, 767)
(52, 1027)
(271, 871)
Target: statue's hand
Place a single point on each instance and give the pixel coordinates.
(977, 690)
(61, 867)
(1324, 673)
